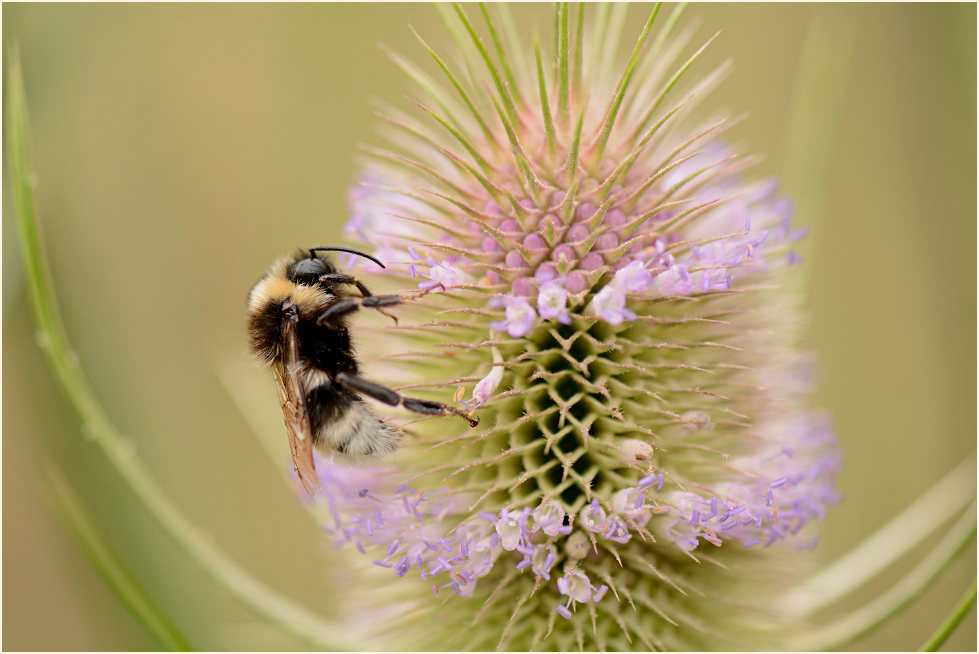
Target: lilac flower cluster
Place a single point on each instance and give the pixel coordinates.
(548, 264)
(790, 490)
(430, 531)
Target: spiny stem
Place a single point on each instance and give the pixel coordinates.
(623, 86)
(460, 89)
(563, 64)
(501, 55)
(460, 137)
(578, 43)
(610, 34)
(667, 30)
(572, 164)
(505, 98)
(545, 102)
(119, 451)
(668, 86)
(514, 46)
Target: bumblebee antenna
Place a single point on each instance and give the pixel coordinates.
(349, 250)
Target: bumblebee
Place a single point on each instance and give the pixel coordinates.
(298, 325)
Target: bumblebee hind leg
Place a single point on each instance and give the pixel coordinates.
(393, 398)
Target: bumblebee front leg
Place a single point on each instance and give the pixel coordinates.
(393, 398)
(348, 305)
(344, 278)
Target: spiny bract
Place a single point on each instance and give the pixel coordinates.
(613, 292)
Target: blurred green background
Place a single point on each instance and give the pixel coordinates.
(181, 148)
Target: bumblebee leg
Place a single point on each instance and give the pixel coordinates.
(369, 388)
(343, 278)
(367, 293)
(340, 278)
(348, 305)
(393, 398)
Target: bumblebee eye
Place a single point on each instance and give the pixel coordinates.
(307, 271)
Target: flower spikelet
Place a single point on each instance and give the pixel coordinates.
(585, 256)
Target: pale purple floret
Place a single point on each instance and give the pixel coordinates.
(486, 386)
(444, 275)
(673, 281)
(512, 528)
(633, 278)
(592, 516)
(549, 518)
(652, 479)
(711, 279)
(543, 560)
(609, 304)
(519, 317)
(552, 302)
(631, 504)
(615, 529)
(576, 585)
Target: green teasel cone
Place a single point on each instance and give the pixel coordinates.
(586, 257)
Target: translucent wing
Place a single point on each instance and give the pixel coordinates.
(292, 397)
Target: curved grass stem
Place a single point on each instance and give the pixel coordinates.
(842, 631)
(67, 505)
(902, 534)
(961, 609)
(817, 104)
(120, 453)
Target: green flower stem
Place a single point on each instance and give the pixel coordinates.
(967, 602)
(70, 510)
(121, 455)
(886, 605)
(902, 534)
(244, 399)
(817, 103)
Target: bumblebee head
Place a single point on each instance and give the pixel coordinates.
(306, 272)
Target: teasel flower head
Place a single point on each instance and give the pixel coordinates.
(590, 262)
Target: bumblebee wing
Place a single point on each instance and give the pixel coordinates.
(292, 398)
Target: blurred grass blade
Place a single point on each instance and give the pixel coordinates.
(817, 104)
(288, 615)
(903, 533)
(21, 186)
(887, 605)
(948, 627)
(73, 515)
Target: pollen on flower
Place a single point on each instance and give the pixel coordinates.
(606, 277)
